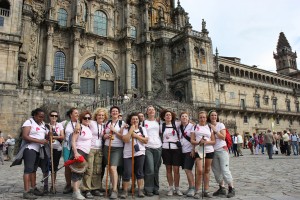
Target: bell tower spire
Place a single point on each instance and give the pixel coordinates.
(285, 58)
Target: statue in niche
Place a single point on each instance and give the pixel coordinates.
(79, 13)
(161, 14)
(32, 68)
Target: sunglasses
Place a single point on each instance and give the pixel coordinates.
(87, 118)
(53, 115)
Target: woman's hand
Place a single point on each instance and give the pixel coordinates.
(202, 142)
(43, 141)
(76, 155)
(192, 153)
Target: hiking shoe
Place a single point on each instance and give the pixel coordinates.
(28, 195)
(77, 195)
(231, 192)
(207, 194)
(149, 194)
(141, 194)
(155, 192)
(67, 190)
(36, 192)
(97, 193)
(220, 192)
(170, 192)
(88, 195)
(190, 193)
(197, 195)
(114, 195)
(124, 194)
(178, 192)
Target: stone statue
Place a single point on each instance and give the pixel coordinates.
(79, 13)
(203, 25)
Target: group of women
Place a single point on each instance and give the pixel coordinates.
(135, 146)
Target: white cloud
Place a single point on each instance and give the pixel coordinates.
(248, 29)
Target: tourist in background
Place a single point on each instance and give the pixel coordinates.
(269, 141)
(201, 136)
(220, 163)
(69, 127)
(153, 153)
(294, 143)
(92, 180)
(10, 142)
(239, 144)
(140, 138)
(2, 142)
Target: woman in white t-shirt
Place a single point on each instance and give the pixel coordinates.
(34, 133)
(153, 153)
(220, 164)
(188, 151)
(202, 137)
(81, 146)
(171, 150)
(91, 183)
(58, 135)
(138, 135)
(69, 127)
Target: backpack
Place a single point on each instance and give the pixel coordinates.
(109, 121)
(19, 141)
(228, 139)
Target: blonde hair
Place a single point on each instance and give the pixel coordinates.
(202, 112)
(97, 111)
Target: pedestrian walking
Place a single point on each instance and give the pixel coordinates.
(2, 142)
(10, 142)
(269, 140)
(239, 144)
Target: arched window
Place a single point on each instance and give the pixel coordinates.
(4, 8)
(59, 65)
(105, 68)
(133, 76)
(62, 17)
(89, 64)
(133, 33)
(100, 23)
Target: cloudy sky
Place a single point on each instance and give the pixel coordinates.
(248, 29)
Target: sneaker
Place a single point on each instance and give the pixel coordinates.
(124, 194)
(185, 192)
(77, 195)
(141, 194)
(114, 195)
(88, 195)
(67, 190)
(149, 194)
(191, 192)
(52, 191)
(220, 192)
(28, 195)
(155, 192)
(197, 195)
(97, 193)
(178, 192)
(170, 192)
(36, 192)
(207, 194)
(231, 192)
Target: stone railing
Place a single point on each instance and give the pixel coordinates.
(4, 12)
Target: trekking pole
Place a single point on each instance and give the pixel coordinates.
(203, 163)
(52, 164)
(108, 163)
(132, 167)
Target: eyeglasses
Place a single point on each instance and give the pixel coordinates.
(87, 118)
(53, 115)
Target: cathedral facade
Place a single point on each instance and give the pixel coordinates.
(71, 53)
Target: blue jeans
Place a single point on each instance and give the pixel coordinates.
(262, 146)
(295, 147)
(269, 149)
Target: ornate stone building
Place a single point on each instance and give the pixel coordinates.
(62, 53)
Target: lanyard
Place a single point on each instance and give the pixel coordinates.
(98, 130)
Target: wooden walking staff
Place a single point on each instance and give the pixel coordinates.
(52, 164)
(108, 162)
(132, 166)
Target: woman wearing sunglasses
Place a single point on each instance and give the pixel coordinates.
(58, 136)
(81, 146)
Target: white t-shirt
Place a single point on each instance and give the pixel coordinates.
(69, 129)
(116, 142)
(205, 131)
(84, 140)
(186, 145)
(170, 136)
(37, 131)
(97, 131)
(219, 142)
(127, 152)
(152, 128)
(56, 144)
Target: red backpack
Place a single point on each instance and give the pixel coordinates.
(228, 139)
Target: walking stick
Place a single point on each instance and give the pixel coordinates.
(108, 163)
(53, 174)
(203, 163)
(132, 167)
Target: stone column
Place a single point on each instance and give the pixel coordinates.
(148, 72)
(75, 85)
(128, 68)
(49, 56)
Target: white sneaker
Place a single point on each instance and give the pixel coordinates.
(178, 192)
(191, 193)
(77, 195)
(170, 192)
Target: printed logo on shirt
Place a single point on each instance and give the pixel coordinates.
(83, 133)
(37, 129)
(146, 125)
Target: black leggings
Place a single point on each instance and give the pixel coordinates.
(56, 158)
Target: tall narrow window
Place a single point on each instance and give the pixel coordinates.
(245, 119)
(1, 21)
(243, 105)
(133, 76)
(297, 106)
(288, 105)
(100, 23)
(257, 101)
(59, 65)
(62, 17)
(274, 103)
(133, 33)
